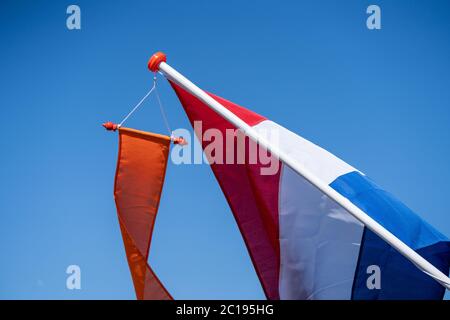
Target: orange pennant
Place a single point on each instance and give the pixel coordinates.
(140, 173)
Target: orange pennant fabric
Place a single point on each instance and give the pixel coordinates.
(140, 173)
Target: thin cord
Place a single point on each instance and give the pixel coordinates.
(163, 113)
(139, 103)
(161, 107)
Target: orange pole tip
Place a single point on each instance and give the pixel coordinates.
(179, 140)
(155, 60)
(110, 126)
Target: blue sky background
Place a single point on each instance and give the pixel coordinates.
(378, 99)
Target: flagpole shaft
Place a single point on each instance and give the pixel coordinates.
(364, 218)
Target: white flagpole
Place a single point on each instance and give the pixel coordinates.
(158, 63)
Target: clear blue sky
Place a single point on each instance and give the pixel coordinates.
(378, 99)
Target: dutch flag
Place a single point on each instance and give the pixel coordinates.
(303, 244)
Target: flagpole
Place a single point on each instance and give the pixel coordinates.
(158, 63)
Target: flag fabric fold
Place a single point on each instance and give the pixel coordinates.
(139, 180)
(303, 245)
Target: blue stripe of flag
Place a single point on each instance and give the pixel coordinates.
(400, 279)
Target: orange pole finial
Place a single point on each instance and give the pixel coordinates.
(179, 140)
(155, 60)
(110, 126)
